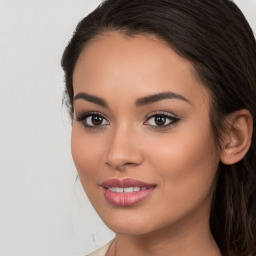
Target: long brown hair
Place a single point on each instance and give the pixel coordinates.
(216, 38)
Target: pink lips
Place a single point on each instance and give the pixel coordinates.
(126, 198)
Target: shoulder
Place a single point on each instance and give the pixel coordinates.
(101, 251)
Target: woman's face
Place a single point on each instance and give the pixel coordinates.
(141, 139)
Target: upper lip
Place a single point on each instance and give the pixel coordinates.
(125, 183)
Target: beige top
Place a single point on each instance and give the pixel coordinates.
(102, 250)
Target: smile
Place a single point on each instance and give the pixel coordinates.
(126, 192)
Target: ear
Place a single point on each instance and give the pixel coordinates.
(237, 138)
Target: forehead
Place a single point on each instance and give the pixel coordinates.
(143, 64)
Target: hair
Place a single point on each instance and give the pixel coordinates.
(216, 38)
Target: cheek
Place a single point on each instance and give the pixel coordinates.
(187, 153)
(187, 166)
(87, 154)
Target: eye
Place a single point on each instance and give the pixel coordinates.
(92, 120)
(161, 120)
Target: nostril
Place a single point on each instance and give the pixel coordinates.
(122, 162)
(122, 151)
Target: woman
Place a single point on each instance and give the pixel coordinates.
(162, 95)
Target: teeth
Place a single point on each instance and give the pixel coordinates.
(126, 190)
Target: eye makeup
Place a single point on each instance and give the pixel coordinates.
(156, 120)
(92, 120)
(161, 120)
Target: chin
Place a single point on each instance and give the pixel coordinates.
(133, 223)
(131, 229)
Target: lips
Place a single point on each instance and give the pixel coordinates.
(126, 192)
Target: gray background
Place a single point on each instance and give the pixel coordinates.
(43, 210)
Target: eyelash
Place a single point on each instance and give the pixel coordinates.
(83, 118)
(162, 114)
(166, 115)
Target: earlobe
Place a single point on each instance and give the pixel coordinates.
(237, 138)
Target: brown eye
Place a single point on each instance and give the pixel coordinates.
(160, 120)
(91, 120)
(96, 120)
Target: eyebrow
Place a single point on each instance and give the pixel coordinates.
(158, 97)
(139, 102)
(92, 99)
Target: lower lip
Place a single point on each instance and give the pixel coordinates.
(126, 199)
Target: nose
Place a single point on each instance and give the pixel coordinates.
(124, 150)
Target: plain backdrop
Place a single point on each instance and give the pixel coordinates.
(43, 209)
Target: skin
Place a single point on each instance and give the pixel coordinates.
(180, 159)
